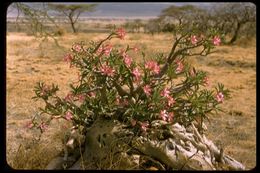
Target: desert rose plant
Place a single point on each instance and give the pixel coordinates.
(113, 85)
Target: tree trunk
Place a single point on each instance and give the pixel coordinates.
(110, 145)
(73, 27)
(72, 24)
(235, 36)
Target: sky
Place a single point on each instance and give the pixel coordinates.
(125, 9)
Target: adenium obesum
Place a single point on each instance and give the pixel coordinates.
(113, 85)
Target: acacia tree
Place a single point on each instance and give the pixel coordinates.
(153, 26)
(187, 14)
(134, 26)
(72, 12)
(229, 18)
(38, 21)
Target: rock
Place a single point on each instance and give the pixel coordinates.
(55, 164)
(107, 142)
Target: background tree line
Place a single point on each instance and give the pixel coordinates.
(233, 20)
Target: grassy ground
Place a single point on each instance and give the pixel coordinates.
(234, 66)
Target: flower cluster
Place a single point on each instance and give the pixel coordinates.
(166, 116)
(121, 33)
(220, 97)
(147, 90)
(166, 94)
(194, 39)
(107, 70)
(216, 40)
(127, 59)
(106, 49)
(153, 66)
(137, 74)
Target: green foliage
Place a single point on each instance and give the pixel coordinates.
(111, 85)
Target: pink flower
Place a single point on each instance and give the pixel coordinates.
(43, 126)
(192, 73)
(121, 33)
(77, 47)
(107, 70)
(216, 41)
(136, 49)
(100, 50)
(156, 69)
(179, 67)
(220, 97)
(170, 116)
(164, 115)
(171, 101)
(147, 90)
(127, 59)
(44, 90)
(144, 126)
(133, 122)
(68, 58)
(92, 94)
(153, 66)
(122, 102)
(193, 39)
(68, 116)
(117, 101)
(136, 74)
(107, 49)
(81, 97)
(69, 97)
(43, 93)
(165, 92)
(206, 81)
(149, 65)
(29, 125)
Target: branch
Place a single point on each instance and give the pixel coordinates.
(77, 17)
(101, 42)
(181, 88)
(120, 90)
(170, 58)
(94, 89)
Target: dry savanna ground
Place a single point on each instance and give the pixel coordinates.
(27, 63)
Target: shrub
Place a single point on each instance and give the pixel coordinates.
(112, 85)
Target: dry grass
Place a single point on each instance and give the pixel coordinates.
(234, 66)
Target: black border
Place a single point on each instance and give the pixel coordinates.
(4, 6)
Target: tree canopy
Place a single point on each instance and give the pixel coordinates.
(72, 11)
